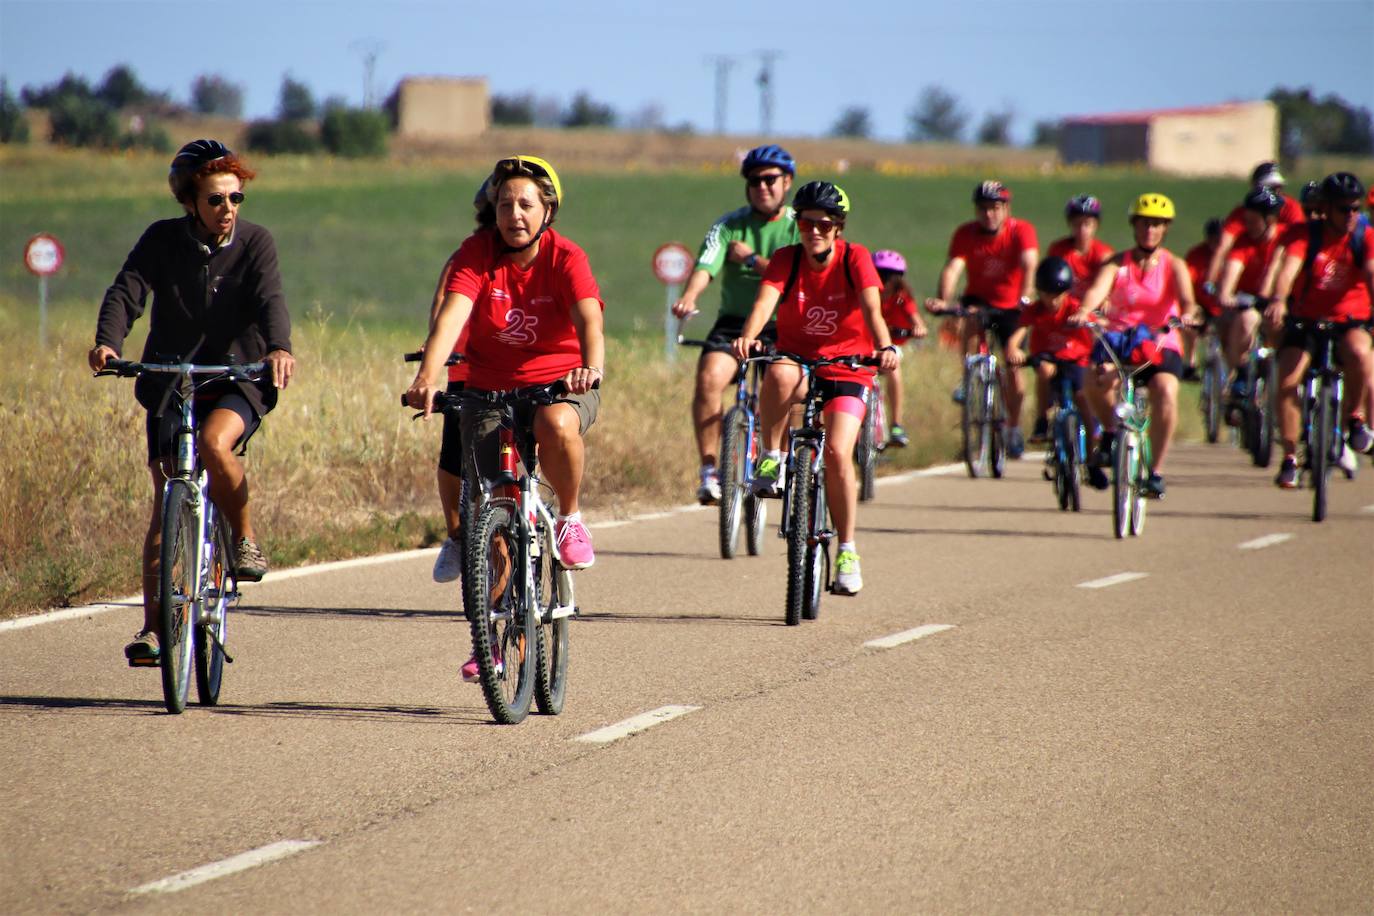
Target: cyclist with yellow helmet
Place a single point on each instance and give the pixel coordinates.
(532, 309)
(1138, 291)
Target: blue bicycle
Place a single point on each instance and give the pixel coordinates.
(1064, 460)
(739, 453)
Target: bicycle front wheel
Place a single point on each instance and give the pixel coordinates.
(817, 550)
(1073, 473)
(799, 487)
(219, 586)
(734, 433)
(996, 430)
(973, 424)
(177, 592)
(502, 629)
(1140, 477)
(1319, 454)
(555, 590)
(755, 520)
(1122, 479)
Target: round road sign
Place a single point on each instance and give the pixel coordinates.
(673, 263)
(43, 255)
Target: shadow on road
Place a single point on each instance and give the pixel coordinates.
(990, 532)
(351, 613)
(604, 617)
(439, 715)
(1048, 509)
(91, 704)
(655, 553)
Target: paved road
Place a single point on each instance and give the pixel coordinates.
(1198, 738)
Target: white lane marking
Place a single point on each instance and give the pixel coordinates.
(939, 470)
(896, 639)
(1369, 509)
(234, 864)
(636, 724)
(70, 613)
(1269, 540)
(1113, 580)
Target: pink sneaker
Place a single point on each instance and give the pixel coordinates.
(471, 673)
(575, 546)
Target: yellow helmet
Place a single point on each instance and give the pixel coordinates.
(524, 165)
(1153, 206)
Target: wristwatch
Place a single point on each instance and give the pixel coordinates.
(752, 262)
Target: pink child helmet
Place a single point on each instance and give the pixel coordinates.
(889, 260)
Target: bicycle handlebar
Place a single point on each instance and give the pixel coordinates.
(853, 361)
(418, 355)
(538, 394)
(249, 372)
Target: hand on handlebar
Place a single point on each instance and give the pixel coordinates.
(98, 356)
(937, 306)
(685, 308)
(582, 379)
(420, 395)
(283, 366)
(744, 346)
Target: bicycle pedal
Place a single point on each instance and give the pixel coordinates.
(145, 663)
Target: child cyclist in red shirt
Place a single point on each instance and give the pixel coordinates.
(901, 313)
(832, 308)
(1058, 348)
(1084, 253)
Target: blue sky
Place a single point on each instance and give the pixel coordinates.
(1042, 60)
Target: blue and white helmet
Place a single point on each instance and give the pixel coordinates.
(771, 154)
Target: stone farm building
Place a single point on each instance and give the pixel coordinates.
(1221, 140)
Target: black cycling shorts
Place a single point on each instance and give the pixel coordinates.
(1299, 333)
(451, 445)
(1062, 369)
(830, 389)
(162, 429)
(1001, 324)
(721, 338)
(1171, 363)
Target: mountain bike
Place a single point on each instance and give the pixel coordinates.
(739, 453)
(1323, 386)
(1213, 395)
(1131, 457)
(197, 584)
(517, 595)
(872, 440)
(805, 513)
(1260, 375)
(1068, 442)
(983, 417)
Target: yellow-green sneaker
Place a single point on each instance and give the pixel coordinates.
(848, 578)
(767, 480)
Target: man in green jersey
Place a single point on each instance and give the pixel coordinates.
(737, 248)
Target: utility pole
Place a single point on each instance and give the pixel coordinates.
(724, 63)
(370, 49)
(765, 84)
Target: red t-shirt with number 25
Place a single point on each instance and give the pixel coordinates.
(521, 329)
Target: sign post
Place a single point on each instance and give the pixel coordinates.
(43, 257)
(672, 266)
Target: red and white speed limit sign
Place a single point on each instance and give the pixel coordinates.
(673, 263)
(43, 255)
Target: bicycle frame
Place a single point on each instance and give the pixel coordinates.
(1323, 378)
(1065, 412)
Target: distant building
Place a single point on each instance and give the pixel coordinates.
(1216, 140)
(442, 108)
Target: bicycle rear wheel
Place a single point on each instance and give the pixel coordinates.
(177, 594)
(1122, 479)
(1213, 384)
(996, 430)
(866, 448)
(502, 632)
(216, 592)
(973, 425)
(817, 550)
(799, 485)
(734, 432)
(555, 592)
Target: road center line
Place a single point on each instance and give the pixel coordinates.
(896, 639)
(232, 865)
(635, 724)
(1109, 581)
(1269, 540)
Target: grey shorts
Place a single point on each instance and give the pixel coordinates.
(481, 427)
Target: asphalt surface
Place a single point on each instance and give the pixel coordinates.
(1196, 739)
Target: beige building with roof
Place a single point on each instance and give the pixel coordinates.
(1217, 140)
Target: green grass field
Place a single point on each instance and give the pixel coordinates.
(339, 469)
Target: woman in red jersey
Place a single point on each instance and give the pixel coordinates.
(826, 293)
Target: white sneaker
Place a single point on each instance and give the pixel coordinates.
(1348, 462)
(449, 564)
(848, 577)
(708, 494)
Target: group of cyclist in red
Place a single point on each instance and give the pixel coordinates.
(519, 302)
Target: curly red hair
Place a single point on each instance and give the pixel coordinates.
(225, 165)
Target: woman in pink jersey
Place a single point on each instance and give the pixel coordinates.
(1138, 291)
(831, 308)
(531, 308)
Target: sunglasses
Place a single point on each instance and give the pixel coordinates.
(823, 226)
(1353, 208)
(217, 200)
(756, 181)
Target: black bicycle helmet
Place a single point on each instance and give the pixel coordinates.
(1341, 186)
(990, 192)
(1266, 175)
(770, 154)
(822, 195)
(1054, 276)
(1311, 196)
(1263, 201)
(189, 159)
(1083, 205)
